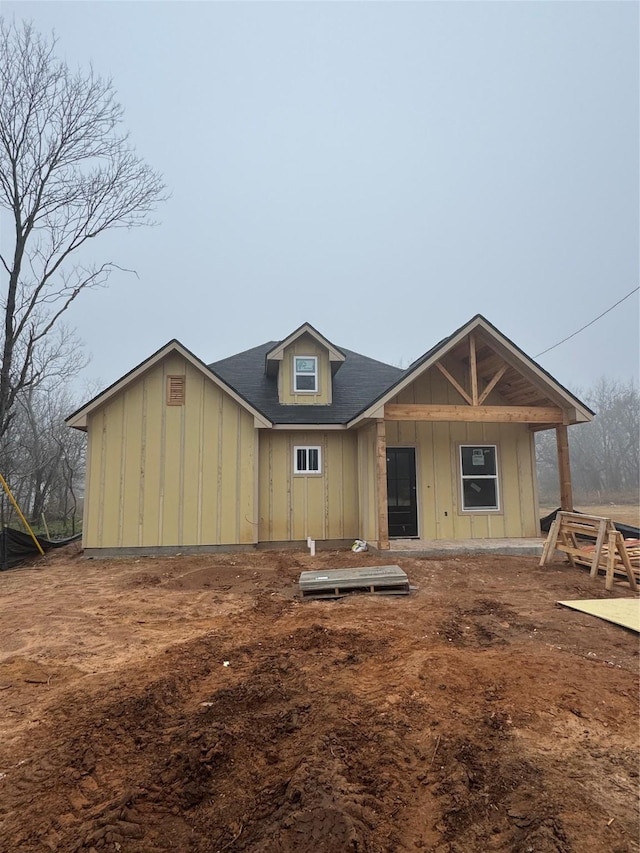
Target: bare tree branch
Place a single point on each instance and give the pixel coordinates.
(68, 173)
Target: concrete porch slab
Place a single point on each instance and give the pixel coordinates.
(441, 547)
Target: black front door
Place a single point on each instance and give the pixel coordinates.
(401, 491)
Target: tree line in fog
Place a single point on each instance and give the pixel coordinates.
(605, 454)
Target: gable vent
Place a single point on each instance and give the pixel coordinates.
(175, 390)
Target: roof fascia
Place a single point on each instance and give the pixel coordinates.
(78, 419)
(309, 427)
(568, 400)
(521, 359)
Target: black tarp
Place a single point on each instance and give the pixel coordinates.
(627, 530)
(17, 546)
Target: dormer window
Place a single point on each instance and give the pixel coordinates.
(305, 374)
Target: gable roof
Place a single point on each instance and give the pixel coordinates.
(359, 380)
(360, 388)
(78, 419)
(509, 351)
(276, 353)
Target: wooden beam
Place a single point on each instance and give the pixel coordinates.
(485, 414)
(564, 468)
(454, 382)
(473, 369)
(381, 485)
(492, 384)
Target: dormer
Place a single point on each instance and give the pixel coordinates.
(304, 363)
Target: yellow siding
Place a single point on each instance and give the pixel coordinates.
(305, 345)
(440, 514)
(367, 489)
(201, 474)
(170, 475)
(432, 387)
(294, 506)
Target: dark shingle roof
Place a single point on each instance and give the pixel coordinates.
(358, 384)
(358, 381)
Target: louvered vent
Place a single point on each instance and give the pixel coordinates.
(175, 390)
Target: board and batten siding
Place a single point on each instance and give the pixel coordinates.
(440, 514)
(305, 345)
(179, 475)
(367, 483)
(295, 506)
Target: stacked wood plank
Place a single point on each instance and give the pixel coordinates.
(609, 554)
(633, 551)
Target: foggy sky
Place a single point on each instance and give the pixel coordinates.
(382, 170)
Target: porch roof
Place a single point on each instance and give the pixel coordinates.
(499, 363)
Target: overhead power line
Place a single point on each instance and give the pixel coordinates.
(635, 290)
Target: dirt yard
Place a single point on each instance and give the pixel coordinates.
(196, 705)
(625, 513)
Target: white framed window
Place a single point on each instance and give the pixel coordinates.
(307, 460)
(305, 374)
(479, 477)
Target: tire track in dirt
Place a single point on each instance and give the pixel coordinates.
(364, 725)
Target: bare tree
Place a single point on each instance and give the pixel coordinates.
(46, 465)
(605, 454)
(67, 174)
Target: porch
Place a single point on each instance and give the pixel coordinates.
(453, 445)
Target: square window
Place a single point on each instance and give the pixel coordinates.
(478, 461)
(479, 493)
(307, 460)
(479, 476)
(305, 373)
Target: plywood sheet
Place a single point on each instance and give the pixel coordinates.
(621, 611)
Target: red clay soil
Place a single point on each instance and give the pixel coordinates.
(196, 704)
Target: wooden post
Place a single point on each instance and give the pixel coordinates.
(551, 541)
(611, 561)
(473, 369)
(564, 468)
(626, 562)
(381, 490)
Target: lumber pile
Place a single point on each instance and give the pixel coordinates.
(610, 553)
(632, 547)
